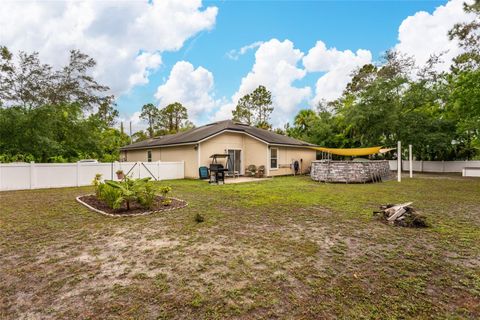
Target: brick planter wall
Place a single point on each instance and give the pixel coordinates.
(350, 172)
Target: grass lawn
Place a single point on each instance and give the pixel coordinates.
(285, 248)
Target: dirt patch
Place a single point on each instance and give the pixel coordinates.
(135, 208)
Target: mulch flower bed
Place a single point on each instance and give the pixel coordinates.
(95, 204)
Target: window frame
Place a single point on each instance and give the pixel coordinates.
(149, 155)
(276, 158)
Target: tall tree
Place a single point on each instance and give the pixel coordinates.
(28, 83)
(52, 115)
(255, 108)
(150, 113)
(468, 36)
(107, 113)
(173, 117)
(243, 110)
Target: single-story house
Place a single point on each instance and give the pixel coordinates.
(245, 144)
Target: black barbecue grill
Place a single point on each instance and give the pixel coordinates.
(217, 170)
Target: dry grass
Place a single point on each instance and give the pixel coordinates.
(285, 248)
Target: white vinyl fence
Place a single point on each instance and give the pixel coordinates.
(18, 176)
(436, 166)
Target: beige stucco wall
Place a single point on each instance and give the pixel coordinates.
(287, 155)
(253, 151)
(135, 155)
(256, 153)
(179, 153)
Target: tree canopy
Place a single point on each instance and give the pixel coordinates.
(437, 112)
(255, 108)
(49, 115)
(170, 119)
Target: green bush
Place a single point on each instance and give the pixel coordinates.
(117, 193)
(109, 194)
(146, 197)
(165, 190)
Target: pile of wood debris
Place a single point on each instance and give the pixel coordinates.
(402, 215)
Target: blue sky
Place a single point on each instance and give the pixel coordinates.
(353, 25)
(208, 54)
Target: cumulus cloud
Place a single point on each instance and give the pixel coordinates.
(126, 38)
(337, 67)
(191, 87)
(235, 54)
(424, 34)
(144, 63)
(276, 68)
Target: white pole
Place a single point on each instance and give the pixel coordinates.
(32, 174)
(131, 132)
(399, 161)
(78, 174)
(410, 160)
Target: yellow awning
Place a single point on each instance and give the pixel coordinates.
(350, 152)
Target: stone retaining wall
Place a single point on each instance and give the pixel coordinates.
(350, 171)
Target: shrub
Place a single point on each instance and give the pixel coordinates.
(130, 190)
(109, 194)
(165, 190)
(117, 193)
(97, 183)
(146, 197)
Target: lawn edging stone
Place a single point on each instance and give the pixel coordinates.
(79, 200)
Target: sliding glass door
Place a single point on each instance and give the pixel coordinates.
(235, 161)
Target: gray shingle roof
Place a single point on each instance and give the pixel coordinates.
(198, 134)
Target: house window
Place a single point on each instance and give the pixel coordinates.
(273, 158)
(149, 155)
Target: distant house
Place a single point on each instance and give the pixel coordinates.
(245, 144)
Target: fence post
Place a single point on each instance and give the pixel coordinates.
(78, 174)
(399, 161)
(158, 170)
(32, 172)
(139, 169)
(410, 160)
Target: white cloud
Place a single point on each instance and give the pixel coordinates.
(235, 54)
(424, 34)
(126, 38)
(276, 68)
(191, 87)
(337, 66)
(144, 63)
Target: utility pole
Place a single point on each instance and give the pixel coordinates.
(131, 132)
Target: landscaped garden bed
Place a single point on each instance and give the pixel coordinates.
(129, 197)
(136, 209)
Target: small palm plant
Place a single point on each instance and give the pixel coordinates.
(130, 190)
(165, 191)
(97, 183)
